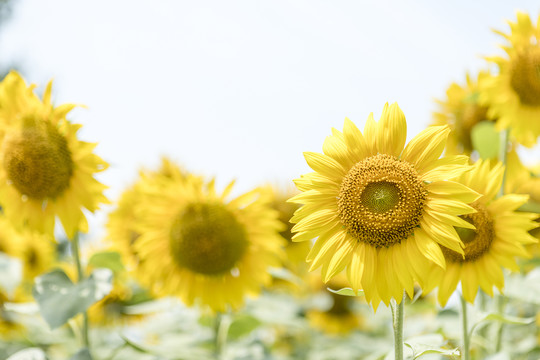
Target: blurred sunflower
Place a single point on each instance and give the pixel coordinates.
(195, 244)
(379, 209)
(500, 236)
(45, 170)
(36, 251)
(112, 310)
(461, 111)
(122, 222)
(340, 318)
(521, 179)
(513, 95)
(296, 252)
(10, 329)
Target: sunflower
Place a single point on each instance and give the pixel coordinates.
(45, 171)
(122, 222)
(36, 251)
(521, 179)
(461, 111)
(513, 95)
(195, 244)
(500, 236)
(379, 209)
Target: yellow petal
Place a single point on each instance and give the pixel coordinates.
(426, 147)
(391, 130)
(325, 165)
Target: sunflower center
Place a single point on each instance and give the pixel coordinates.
(38, 162)
(207, 238)
(525, 77)
(381, 200)
(478, 241)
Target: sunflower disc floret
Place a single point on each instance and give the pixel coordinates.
(381, 200)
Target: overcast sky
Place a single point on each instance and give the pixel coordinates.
(239, 89)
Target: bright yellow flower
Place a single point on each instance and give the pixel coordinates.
(195, 244)
(513, 96)
(461, 111)
(500, 236)
(379, 209)
(122, 222)
(45, 170)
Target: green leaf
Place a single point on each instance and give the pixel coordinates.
(135, 346)
(530, 206)
(29, 354)
(347, 292)
(59, 299)
(11, 271)
(286, 275)
(242, 325)
(506, 319)
(107, 259)
(429, 344)
(485, 139)
(82, 354)
(423, 349)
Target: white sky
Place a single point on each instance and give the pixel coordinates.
(239, 89)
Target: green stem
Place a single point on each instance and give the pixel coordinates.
(503, 155)
(465, 329)
(499, 302)
(76, 254)
(397, 324)
(221, 328)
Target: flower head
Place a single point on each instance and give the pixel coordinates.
(461, 110)
(499, 236)
(45, 171)
(513, 95)
(380, 208)
(196, 244)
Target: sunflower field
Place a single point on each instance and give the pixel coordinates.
(391, 246)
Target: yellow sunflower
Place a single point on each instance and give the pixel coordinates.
(513, 95)
(379, 209)
(521, 179)
(461, 111)
(45, 171)
(36, 251)
(122, 222)
(500, 236)
(195, 244)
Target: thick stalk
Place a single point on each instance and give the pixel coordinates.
(397, 324)
(499, 303)
(76, 254)
(221, 328)
(503, 154)
(465, 352)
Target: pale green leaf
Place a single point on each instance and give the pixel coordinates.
(59, 299)
(29, 354)
(485, 139)
(242, 325)
(347, 292)
(107, 259)
(82, 354)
